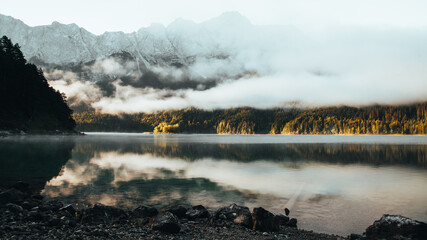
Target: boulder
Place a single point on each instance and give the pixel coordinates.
(292, 223)
(283, 219)
(242, 215)
(287, 211)
(224, 213)
(14, 208)
(51, 205)
(354, 236)
(12, 196)
(396, 227)
(144, 212)
(166, 222)
(197, 212)
(264, 220)
(103, 214)
(55, 222)
(37, 215)
(68, 208)
(29, 203)
(178, 210)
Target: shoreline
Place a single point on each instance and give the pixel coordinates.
(9, 133)
(242, 134)
(25, 215)
(255, 134)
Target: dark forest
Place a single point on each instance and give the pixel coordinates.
(27, 102)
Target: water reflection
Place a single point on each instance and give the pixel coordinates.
(331, 185)
(388, 150)
(33, 160)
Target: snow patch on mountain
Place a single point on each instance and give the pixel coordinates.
(179, 43)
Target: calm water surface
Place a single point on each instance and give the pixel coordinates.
(332, 184)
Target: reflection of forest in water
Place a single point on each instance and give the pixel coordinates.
(166, 185)
(34, 160)
(337, 153)
(118, 171)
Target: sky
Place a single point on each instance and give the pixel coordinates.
(99, 16)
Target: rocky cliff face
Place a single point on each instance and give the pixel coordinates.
(177, 44)
(183, 55)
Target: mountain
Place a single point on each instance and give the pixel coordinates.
(183, 55)
(225, 62)
(177, 43)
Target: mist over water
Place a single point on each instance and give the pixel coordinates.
(333, 184)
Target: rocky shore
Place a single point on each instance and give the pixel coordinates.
(24, 215)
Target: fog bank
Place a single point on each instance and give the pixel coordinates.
(229, 62)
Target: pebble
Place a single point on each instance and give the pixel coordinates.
(46, 222)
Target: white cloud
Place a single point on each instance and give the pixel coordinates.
(77, 90)
(345, 66)
(276, 65)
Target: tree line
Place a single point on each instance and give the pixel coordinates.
(402, 119)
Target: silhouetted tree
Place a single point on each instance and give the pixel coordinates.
(27, 102)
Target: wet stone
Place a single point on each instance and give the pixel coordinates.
(178, 210)
(292, 223)
(224, 213)
(103, 214)
(52, 205)
(242, 215)
(197, 212)
(283, 219)
(166, 222)
(396, 227)
(144, 211)
(12, 196)
(264, 220)
(287, 211)
(68, 208)
(14, 208)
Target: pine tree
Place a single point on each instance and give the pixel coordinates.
(27, 102)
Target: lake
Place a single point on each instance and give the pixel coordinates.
(331, 184)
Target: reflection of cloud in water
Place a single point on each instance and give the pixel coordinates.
(318, 189)
(75, 174)
(260, 176)
(129, 167)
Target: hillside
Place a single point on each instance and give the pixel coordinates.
(404, 119)
(27, 102)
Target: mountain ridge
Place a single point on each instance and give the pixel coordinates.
(59, 43)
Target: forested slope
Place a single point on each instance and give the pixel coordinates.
(404, 119)
(27, 102)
